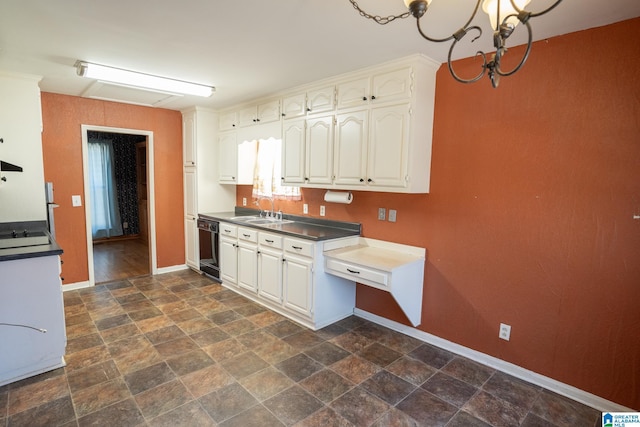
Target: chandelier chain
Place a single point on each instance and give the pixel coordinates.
(382, 20)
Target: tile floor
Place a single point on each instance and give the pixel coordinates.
(180, 350)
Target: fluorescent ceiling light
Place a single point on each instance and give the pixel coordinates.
(141, 80)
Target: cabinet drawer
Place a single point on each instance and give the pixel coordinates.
(228, 230)
(300, 247)
(248, 234)
(359, 273)
(270, 240)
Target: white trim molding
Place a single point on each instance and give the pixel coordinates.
(172, 268)
(76, 286)
(563, 389)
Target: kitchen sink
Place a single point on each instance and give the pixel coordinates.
(260, 221)
(257, 220)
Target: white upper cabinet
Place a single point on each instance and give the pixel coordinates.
(350, 164)
(312, 102)
(388, 151)
(262, 113)
(294, 106)
(228, 158)
(307, 151)
(319, 150)
(228, 120)
(189, 138)
(366, 130)
(293, 152)
(378, 88)
(321, 100)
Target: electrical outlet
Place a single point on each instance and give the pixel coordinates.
(382, 214)
(305, 208)
(322, 211)
(244, 201)
(125, 224)
(505, 331)
(76, 201)
(392, 215)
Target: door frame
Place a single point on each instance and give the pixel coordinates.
(153, 263)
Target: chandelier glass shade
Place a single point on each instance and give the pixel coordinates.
(504, 15)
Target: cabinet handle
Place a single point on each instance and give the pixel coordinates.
(361, 179)
(353, 271)
(283, 114)
(227, 231)
(369, 180)
(268, 241)
(309, 109)
(246, 235)
(1, 140)
(297, 247)
(233, 125)
(257, 120)
(373, 97)
(364, 98)
(306, 179)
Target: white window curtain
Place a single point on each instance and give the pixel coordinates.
(105, 214)
(267, 172)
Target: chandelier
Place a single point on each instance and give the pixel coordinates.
(504, 16)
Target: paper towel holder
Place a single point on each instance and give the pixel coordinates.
(345, 197)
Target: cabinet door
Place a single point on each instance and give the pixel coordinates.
(350, 161)
(298, 285)
(191, 243)
(190, 192)
(392, 86)
(270, 274)
(228, 261)
(294, 106)
(228, 158)
(247, 116)
(189, 139)
(293, 152)
(321, 100)
(354, 93)
(228, 120)
(319, 148)
(389, 146)
(248, 266)
(269, 112)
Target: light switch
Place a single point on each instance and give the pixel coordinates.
(392, 215)
(76, 201)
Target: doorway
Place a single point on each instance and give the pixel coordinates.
(126, 249)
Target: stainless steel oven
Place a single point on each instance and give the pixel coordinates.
(209, 250)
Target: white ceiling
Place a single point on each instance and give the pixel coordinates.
(248, 48)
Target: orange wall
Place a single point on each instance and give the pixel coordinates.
(530, 217)
(62, 117)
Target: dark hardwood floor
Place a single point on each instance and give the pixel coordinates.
(120, 259)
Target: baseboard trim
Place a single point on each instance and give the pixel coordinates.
(75, 286)
(563, 389)
(172, 268)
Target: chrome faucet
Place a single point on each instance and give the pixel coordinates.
(270, 213)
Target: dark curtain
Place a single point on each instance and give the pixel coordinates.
(124, 152)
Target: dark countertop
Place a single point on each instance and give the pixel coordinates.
(302, 227)
(11, 254)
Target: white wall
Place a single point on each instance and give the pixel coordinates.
(22, 194)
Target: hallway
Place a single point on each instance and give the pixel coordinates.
(120, 259)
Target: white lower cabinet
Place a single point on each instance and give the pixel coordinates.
(298, 284)
(228, 245)
(270, 267)
(247, 259)
(285, 274)
(191, 234)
